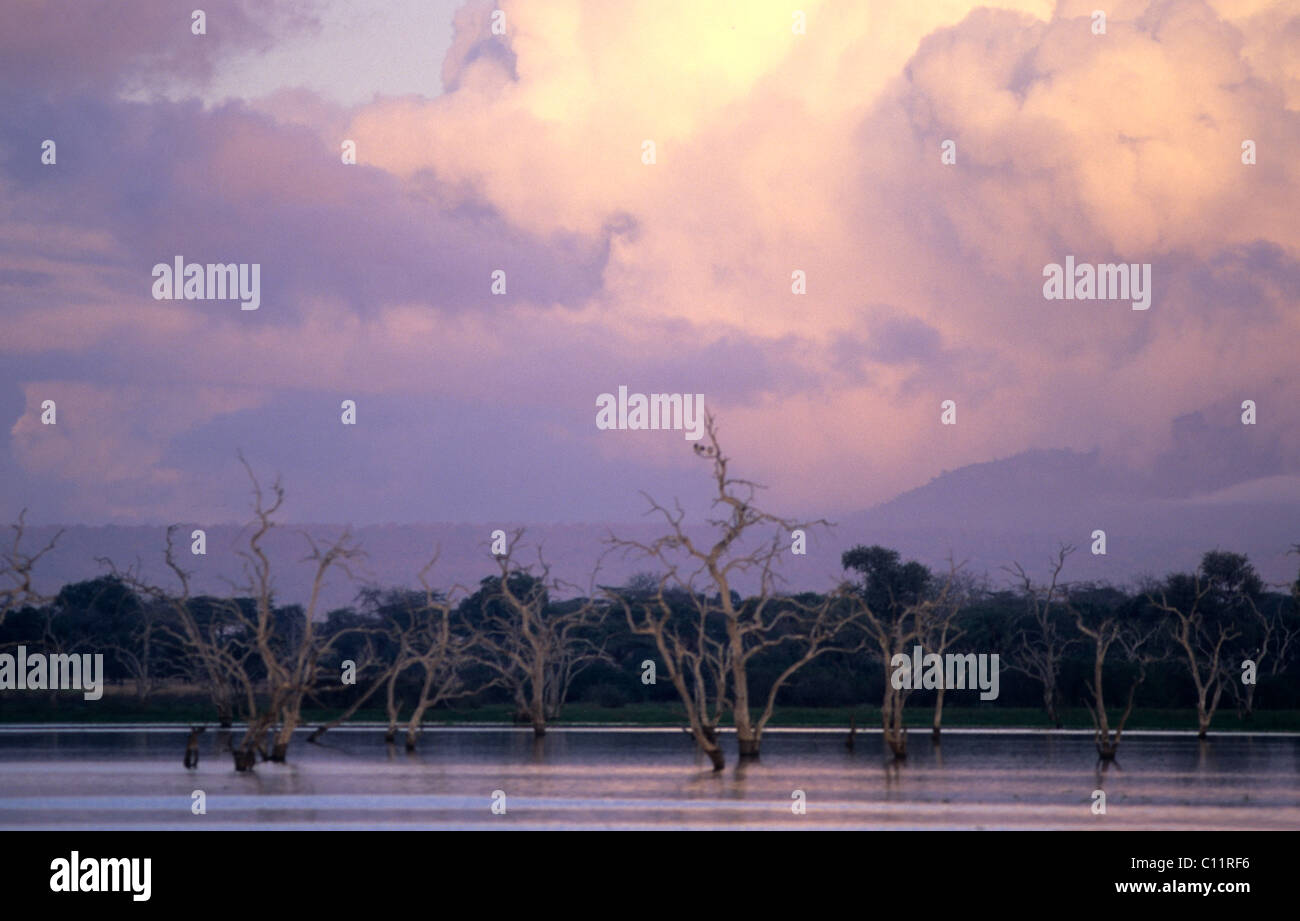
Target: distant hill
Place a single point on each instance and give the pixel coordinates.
(1022, 507)
(989, 514)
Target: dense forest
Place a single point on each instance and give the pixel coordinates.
(145, 651)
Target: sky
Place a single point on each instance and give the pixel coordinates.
(775, 151)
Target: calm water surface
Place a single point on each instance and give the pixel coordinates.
(92, 778)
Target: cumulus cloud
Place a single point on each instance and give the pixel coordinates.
(775, 152)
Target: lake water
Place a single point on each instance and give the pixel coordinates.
(122, 778)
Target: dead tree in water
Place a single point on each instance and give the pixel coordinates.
(192, 748)
(1274, 635)
(1204, 610)
(207, 630)
(1106, 629)
(1041, 645)
(216, 655)
(533, 644)
(941, 632)
(725, 630)
(895, 603)
(287, 641)
(230, 638)
(441, 649)
(1275, 632)
(217, 648)
(392, 702)
(695, 661)
(368, 659)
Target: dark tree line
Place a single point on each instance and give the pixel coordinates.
(1213, 639)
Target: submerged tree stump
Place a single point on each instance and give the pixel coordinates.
(192, 748)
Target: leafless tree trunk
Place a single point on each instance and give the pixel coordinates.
(440, 651)
(705, 574)
(1277, 642)
(1202, 641)
(941, 632)
(392, 704)
(213, 660)
(210, 632)
(381, 677)
(696, 663)
(291, 662)
(898, 607)
(1039, 649)
(535, 645)
(1105, 632)
(225, 645)
(892, 633)
(16, 567)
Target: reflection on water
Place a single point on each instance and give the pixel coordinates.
(595, 778)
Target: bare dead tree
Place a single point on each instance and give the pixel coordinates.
(534, 645)
(392, 702)
(897, 607)
(1277, 634)
(442, 650)
(208, 630)
(941, 632)
(290, 658)
(16, 568)
(1201, 636)
(369, 661)
(1134, 642)
(227, 638)
(706, 574)
(216, 656)
(386, 668)
(815, 629)
(695, 660)
(1040, 646)
(892, 635)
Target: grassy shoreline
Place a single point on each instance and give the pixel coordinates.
(120, 710)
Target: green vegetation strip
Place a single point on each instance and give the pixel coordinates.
(173, 710)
